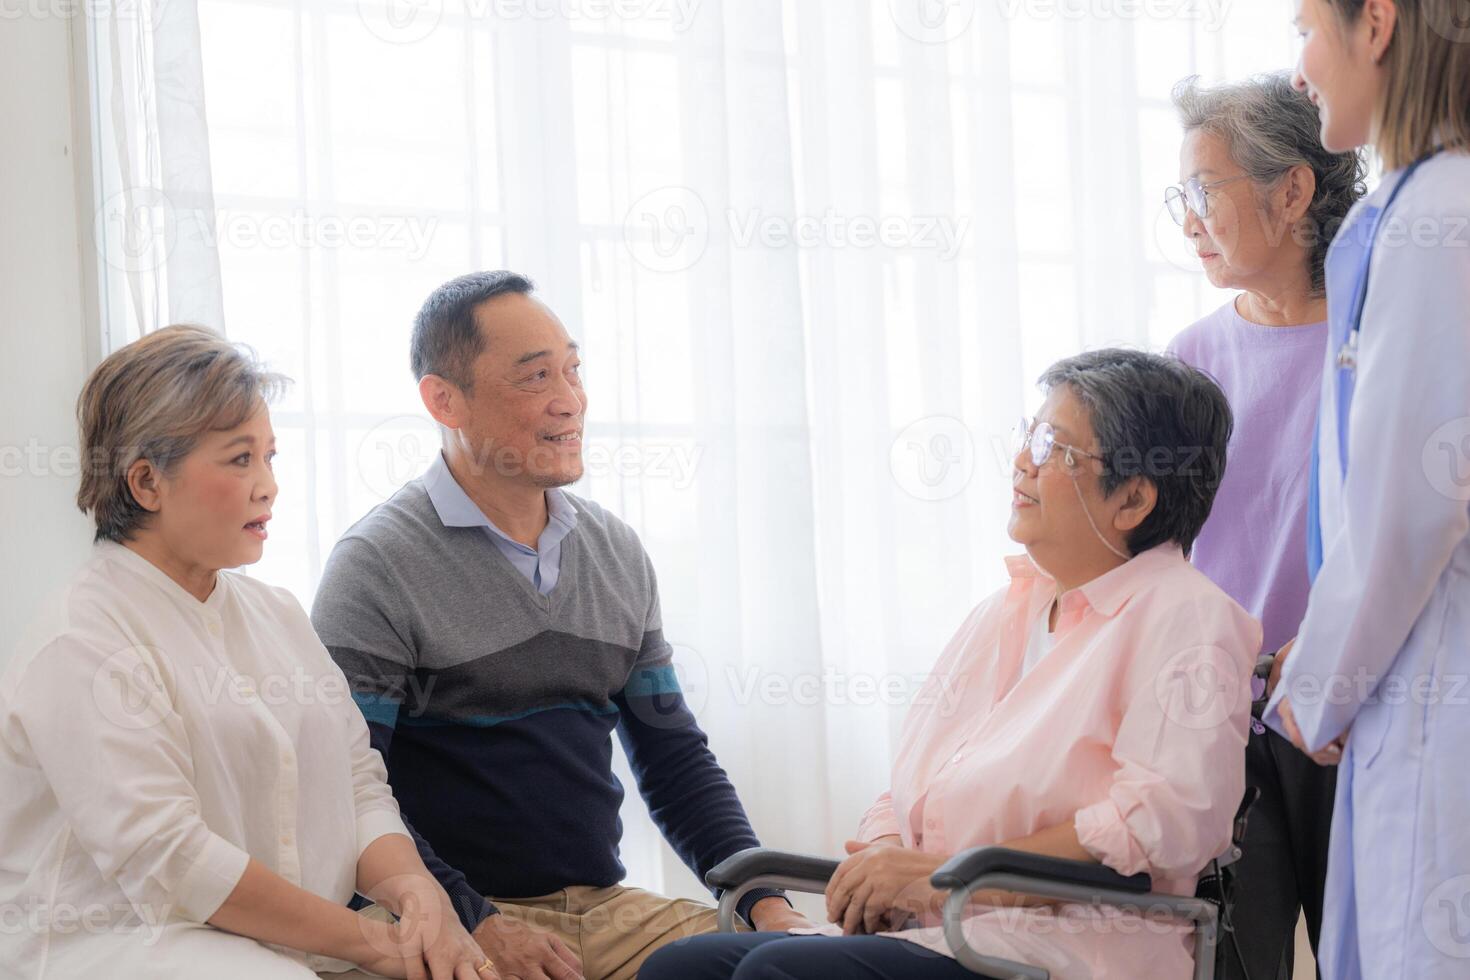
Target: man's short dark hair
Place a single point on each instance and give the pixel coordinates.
(446, 339)
(1156, 417)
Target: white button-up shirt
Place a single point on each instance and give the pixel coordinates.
(151, 744)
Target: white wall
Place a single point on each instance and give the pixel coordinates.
(44, 349)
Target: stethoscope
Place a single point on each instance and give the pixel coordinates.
(1347, 364)
(1347, 354)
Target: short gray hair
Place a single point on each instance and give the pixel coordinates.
(1269, 128)
(446, 339)
(153, 399)
(1154, 417)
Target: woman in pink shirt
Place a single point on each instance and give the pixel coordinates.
(1097, 708)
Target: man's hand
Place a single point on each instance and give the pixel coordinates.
(879, 885)
(521, 950)
(775, 914)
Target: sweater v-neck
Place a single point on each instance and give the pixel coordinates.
(550, 604)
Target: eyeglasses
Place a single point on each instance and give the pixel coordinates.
(1041, 439)
(1192, 196)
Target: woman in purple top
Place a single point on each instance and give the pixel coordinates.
(1260, 200)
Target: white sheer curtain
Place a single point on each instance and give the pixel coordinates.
(816, 254)
(154, 227)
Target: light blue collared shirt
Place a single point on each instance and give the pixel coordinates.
(540, 565)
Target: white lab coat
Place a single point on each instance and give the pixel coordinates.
(1384, 649)
(150, 746)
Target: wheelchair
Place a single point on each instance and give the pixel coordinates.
(978, 868)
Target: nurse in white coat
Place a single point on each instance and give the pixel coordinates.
(188, 789)
(1376, 681)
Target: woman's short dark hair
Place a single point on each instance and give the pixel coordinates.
(1156, 417)
(446, 339)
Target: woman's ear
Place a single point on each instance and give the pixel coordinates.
(1140, 496)
(1300, 186)
(143, 481)
(1379, 17)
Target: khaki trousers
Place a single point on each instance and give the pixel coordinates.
(611, 930)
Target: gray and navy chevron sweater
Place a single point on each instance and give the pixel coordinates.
(493, 705)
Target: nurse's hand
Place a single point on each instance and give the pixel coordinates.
(1277, 664)
(1329, 755)
(880, 885)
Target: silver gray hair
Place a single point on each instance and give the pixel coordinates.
(153, 399)
(1269, 128)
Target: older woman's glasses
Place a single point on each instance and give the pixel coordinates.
(1041, 439)
(1192, 196)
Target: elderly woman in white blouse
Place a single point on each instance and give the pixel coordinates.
(188, 787)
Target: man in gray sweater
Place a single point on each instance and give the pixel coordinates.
(496, 630)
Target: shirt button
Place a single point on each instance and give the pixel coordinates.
(214, 628)
(957, 757)
(286, 841)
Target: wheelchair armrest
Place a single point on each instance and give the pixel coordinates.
(1058, 879)
(966, 866)
(1259, 676)
(754, 862)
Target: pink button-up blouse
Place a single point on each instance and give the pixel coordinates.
(1134, 725)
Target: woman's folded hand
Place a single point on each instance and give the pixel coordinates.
(428, 942)
(879, 885)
